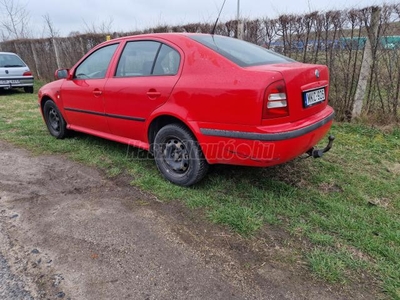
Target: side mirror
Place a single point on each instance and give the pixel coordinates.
(61, 73)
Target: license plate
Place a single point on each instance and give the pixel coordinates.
(314, 97)
(9, 81)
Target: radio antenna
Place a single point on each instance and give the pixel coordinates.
(216, 21)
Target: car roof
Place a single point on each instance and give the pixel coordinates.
(12, 53)
(161, 34)
(167, 35)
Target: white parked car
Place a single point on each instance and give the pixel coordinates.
(14, 73)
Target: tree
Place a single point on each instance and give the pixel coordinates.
(49, 26)
(14, 20)
(104, 27)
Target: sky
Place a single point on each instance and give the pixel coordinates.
(129, 15)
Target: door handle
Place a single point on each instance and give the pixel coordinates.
(153, 94)
(97, 93)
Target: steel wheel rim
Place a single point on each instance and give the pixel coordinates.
(176, 155)
(54, 120)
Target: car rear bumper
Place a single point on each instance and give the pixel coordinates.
(7, 82)
(263, 145)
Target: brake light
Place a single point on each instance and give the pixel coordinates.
(275, 101)
(28, 73)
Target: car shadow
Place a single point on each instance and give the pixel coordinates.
(293, 173)
(7, 92)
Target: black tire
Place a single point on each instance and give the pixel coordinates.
(28, 89)
(54, 120)
(178, 155)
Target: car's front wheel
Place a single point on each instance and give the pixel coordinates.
(178, 155)
(54, 120)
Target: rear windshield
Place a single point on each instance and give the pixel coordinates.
(240, 52)
(10, 61)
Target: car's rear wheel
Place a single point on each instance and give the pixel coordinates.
(178, 155)
(28, 89)
(54, 120)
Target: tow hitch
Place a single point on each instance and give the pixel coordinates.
(320, 152)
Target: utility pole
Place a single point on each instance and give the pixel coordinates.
(238, 10)
(240, 26)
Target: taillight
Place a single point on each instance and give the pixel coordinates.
(28, 73)
(275, 101)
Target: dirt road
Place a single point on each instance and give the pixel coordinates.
(66, 231)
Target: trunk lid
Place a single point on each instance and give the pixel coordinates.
(10, 72)
(307, 87)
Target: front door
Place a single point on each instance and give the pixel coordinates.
(83, 96)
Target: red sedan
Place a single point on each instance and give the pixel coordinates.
(193, 100)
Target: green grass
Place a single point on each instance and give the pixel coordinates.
(345, 206)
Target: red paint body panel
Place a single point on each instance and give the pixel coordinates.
(256, 152)
(81, 93)
(219, 101)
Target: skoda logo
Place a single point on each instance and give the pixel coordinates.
(6, 71)
(317, 73)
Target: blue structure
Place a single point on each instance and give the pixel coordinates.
(353, 43)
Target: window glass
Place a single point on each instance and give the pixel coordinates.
(10, 61)
(167, 62)
(240, 52)
(96, 65)
(137, 59)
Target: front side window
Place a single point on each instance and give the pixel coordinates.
(95, 66)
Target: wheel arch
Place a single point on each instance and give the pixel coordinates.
(162, 120)
(46, 98)
(43, 101)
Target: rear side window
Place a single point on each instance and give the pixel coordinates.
(10, 61)
(146, 58)
(240, 52)
(167, 63)
(137, 59)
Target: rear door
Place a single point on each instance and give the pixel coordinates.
(144, 78)
(83, 96)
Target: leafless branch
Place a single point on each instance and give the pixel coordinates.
(14, 20)
(105, 26)
(49, 26)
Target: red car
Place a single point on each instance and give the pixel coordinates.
(193, 100)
